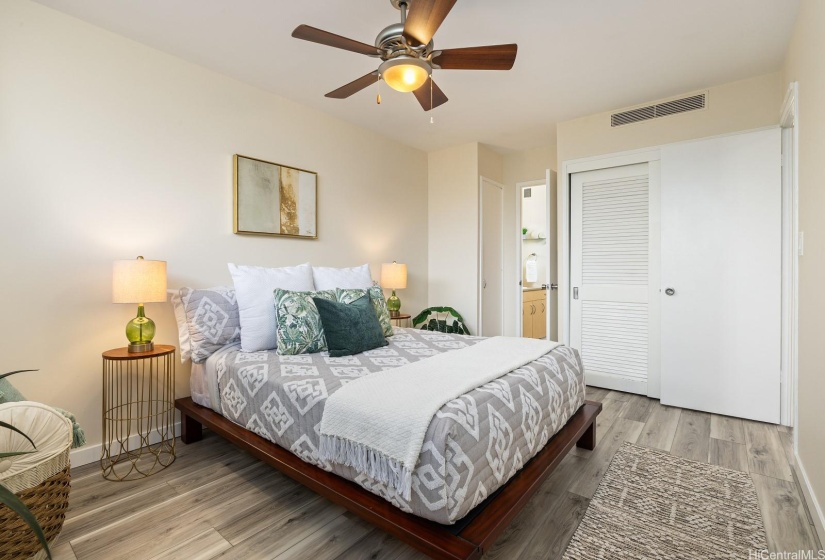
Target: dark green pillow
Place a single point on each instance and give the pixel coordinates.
(350, 328)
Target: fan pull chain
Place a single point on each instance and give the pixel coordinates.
(378, 97)
(431, 100)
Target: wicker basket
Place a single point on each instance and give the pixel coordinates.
(41, 479)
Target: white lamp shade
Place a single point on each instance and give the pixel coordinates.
(393, 276)
(139, 281)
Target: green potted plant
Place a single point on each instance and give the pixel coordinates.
(7, 497)
(441, 321)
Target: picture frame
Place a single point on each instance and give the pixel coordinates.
(274, 199)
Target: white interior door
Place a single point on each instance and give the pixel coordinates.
(721, 256)
(491, 253)
(614, 276)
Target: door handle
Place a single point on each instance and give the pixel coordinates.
(542, 307)
(484, 285)
(532, 309)
(575, 293)
(554, 286)
(670, 291)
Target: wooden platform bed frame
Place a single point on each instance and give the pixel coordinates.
(468, 539)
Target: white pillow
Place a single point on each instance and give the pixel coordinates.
(254, 287)
(357, 277)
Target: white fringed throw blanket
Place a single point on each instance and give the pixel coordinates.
(377, 423)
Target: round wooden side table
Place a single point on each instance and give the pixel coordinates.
(138, 412)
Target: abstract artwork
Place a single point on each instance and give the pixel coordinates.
(273, 199)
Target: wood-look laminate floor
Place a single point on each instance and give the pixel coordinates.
(218, 502)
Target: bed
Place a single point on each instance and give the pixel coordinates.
(484, 453)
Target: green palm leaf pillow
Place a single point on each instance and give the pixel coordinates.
(379, 304)
(298, 324)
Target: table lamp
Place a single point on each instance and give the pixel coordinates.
(139, 281)
(394, 277)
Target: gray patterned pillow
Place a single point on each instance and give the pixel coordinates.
(377, 300)
(207, 320)
(298, 324)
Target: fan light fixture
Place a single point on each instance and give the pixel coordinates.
(405, 73)
(409, 54)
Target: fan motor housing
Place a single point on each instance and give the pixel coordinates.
(391, 38)
(391, 42)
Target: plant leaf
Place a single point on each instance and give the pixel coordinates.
(13, 429)
(18, 371)
(14, 503)
(14, 453)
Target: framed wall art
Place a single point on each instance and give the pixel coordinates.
(274, 199)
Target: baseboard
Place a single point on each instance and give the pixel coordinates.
(813, 504)
(91, 453)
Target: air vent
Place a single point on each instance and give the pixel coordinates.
(528, 193)
(683, 105)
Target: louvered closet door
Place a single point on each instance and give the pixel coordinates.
(614, 276)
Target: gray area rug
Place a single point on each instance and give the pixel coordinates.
(651, 504)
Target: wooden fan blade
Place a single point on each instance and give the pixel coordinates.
(424, 97)
(492, 57)
(354, 87)
(315, 35)
(425, 17)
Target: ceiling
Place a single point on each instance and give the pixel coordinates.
(576, 57)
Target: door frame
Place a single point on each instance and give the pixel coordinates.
(481, 252)
(520, 186)
(789, 119)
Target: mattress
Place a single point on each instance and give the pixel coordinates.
(474, 444)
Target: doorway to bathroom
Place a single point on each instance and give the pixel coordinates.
(536, 250)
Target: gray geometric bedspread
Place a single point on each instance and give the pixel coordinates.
(474, 444)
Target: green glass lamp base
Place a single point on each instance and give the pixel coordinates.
(394, 305)
(140, 331)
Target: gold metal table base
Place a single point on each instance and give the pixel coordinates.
(138, 412)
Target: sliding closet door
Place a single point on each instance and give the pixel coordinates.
(614, 276)
(721, 275)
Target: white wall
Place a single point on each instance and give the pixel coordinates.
(109, 149)
(806, 65)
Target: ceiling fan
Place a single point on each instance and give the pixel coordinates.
(408, 55)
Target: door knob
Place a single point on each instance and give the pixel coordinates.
(670, 291)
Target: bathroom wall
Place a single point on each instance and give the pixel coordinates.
(534, 218)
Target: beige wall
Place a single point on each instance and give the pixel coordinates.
(453, 229)
(806, 64)
(523, 167)
(490, 164)
(453, 189)
(732, 107)
(529, 165)
(109, 149)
